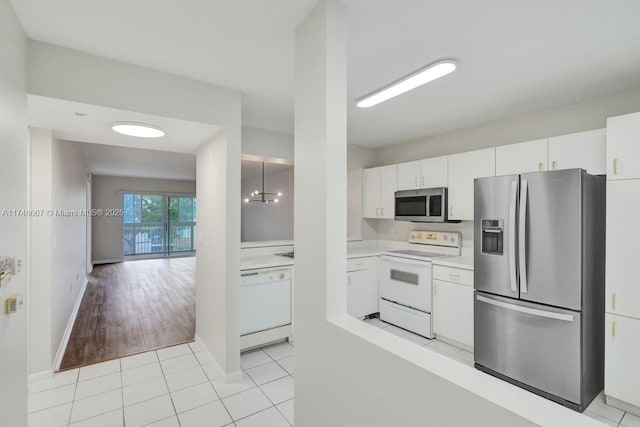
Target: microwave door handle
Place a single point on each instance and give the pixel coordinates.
(513, 278)
(522, 236)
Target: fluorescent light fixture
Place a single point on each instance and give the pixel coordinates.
(426, 75)
(139, 130)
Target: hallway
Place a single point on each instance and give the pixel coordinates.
(133, 307)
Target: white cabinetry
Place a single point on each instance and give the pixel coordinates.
(623, 235)
(434, 172)
(530, 156)
(463, 169)
(623, 146)
(380, 188)
(622, 346)
(622, 350)
(586, 150)
(453, 304)
(362, 287)
(427, 173)
(409, 175)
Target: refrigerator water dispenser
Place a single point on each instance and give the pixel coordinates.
(492, 236)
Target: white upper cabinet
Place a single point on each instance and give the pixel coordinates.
(623, 146)
(463, 169)
(434, 172)
(372, 193)
(380, 187)
(409, 175)
(586, 150)
(388, 188)
(530, 156)
(623, 234)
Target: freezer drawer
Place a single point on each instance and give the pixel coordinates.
(533, 344)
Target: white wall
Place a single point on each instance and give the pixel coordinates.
(13, 230)
(273, 221)
(58, 244)
(107, 193)
(341, 379)
(267, 143)
(218, 266)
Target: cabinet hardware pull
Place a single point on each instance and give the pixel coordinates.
(455, 276)
(382, 211)
(416, 181)
(540, 167)
(423, 181)
(613, 328)
(613, 301)
(358, 264)
(554, 165)
(451, 211)
(615, 166)
(377, 211)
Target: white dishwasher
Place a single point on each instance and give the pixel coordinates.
(265, 299)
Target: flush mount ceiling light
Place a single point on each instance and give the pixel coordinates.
(420, 77)
(263, 197)
(139, 130)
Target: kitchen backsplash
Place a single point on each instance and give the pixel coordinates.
(399, 230)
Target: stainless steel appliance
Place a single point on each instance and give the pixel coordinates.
(405, 279)
(427, 205)
(539, 282)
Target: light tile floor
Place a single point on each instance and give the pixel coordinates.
(172, 387)
(598, 409)
(179, 387)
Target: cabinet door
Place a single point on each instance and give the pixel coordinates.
(623, 146)
(623, 233)
(586, 150)
(372, 193)
(622, 353)
(359, 295)
(530, 156)
(409, 175)
(433, 172)
(453, 311)
(463, 169)
(388, 188)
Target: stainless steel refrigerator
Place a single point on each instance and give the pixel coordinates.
(539, 246)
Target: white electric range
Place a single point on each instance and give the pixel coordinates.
(405, 279)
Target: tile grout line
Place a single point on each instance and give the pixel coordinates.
(278, 409)
(73, 401)
(124, 423)
(168, 390)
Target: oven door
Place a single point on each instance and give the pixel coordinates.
(406, 282)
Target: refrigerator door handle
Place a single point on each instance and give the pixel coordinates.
(522, 236)
(527, 310)
(512, 236)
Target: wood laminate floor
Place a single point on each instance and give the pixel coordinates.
(131, 307)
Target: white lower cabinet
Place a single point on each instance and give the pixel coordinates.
(453, 307)
(622, 370)
(362, 287)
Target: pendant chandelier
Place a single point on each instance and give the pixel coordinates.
(262, 196)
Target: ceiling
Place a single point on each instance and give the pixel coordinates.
(138, 163)
(95, 126)
(514, 57)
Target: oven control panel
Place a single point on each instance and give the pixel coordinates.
(438, 238)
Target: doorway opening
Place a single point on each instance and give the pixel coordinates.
(159, 225)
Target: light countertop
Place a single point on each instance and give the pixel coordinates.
(464, 261)
(264, 261)
(362, 252)
(266, 243)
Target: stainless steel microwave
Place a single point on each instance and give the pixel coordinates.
(428, 205)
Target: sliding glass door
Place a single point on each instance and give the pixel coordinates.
(158, 224)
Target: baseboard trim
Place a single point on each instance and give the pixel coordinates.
(227, 377)
(107, 261)
(40, 376)
(67, 332)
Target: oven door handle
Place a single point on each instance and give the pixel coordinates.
(406, 261)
